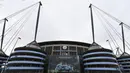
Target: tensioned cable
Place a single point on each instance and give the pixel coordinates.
(20, 11)
(112, 27)
(114, 18)
(117, 33)
(17, 22)
(21, 24)
(127, 26)
(121, 50)
(107, 14)
(119, 36)
(107, 30)
(16, 33)
(110, 35)
(117, 20)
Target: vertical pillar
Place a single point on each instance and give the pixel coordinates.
(37, 22)
(2, 39)
(92, 23)
(123, 38)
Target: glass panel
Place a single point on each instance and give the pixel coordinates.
(56, 47)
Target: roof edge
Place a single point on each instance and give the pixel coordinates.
(64, 42)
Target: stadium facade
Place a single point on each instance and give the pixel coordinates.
(63, 57)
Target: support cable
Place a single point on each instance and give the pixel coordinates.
(17, 22)
(18, 12)
(16, 33)
(108, 14)
(127, 26)
(15, 45)
(111, 36)
(13, 36)
(107, 30)
(114, 18)
(112, 27)
(117, 33)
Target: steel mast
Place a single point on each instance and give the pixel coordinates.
(123, 38)
(37, 22)
(92, 23)
(2, 38)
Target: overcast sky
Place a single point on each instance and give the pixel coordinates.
(65, 20)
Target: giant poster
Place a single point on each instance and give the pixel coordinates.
(62, 64)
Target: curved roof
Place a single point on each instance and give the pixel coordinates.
(64, 42)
